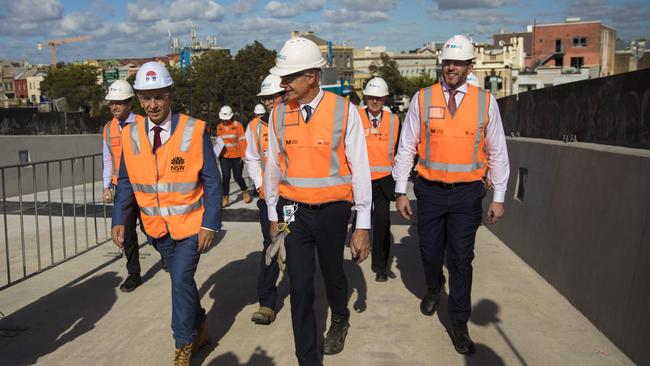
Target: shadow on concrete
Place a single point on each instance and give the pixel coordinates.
(259, 358)
(485, 313)
(231, 288)
(59, 317)
(356, 284)
(406, 255)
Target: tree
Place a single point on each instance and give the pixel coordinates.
(416, 83)
(77, 83)
(252, 66)
(397, 84)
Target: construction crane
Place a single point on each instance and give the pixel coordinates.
(53, 43)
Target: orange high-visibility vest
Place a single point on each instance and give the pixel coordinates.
(260, 132)
(167, 185)
(452, 148)
(233, 139)
(381, 142)
(112, 137)
(312, 155)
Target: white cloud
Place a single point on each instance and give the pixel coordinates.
(243, 6)
(345, 15)
(77, 23)
(287, 10)
(369, 5)
(35, 10)
(196, 9)
(469, 4)
(143, 11)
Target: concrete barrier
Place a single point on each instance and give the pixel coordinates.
(582, 221)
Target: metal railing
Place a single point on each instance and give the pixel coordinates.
(50, 220)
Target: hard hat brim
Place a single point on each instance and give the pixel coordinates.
(225, 116)
(165, 86)
(284, 71)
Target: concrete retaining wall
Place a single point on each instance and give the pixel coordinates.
(43, 148)
(584, 225)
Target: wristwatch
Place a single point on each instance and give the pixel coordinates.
(397, 195)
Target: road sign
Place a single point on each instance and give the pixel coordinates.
(111, 75)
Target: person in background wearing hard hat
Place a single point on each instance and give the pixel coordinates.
(473, 80)
(168, 169)
(257, 142)
(119, 98)
(456, 130)
(232, 133)
(381, 128)
(316, 170)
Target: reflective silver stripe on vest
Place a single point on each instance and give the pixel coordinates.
(165, 187)
(229, 136)
(259, 142)
(135, 138)
(171, 210)
(337, 131)
(381, 169)
(455, 168)
(391, 136)
(107, 129)
(231, 145)
(187, 134)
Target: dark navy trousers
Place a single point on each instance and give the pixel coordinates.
(267, 291)
(447, 222)
(182, 258)
(323, 231)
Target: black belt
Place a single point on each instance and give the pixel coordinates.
(310, 206)
(444, 185)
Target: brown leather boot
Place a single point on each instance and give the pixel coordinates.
(183, 356)
(202, 338)
(225, 202)
(264, 315)
(247, 197)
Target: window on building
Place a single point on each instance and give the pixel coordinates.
(579, 41)
(24, 157)
(577, 62)
(559, 61)
(493, 57)
(33, 98)
(558, 45)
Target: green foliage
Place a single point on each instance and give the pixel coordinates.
(388, 71)
(416, 83)
(77, 83)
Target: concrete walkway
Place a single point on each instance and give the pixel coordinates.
(75, 314)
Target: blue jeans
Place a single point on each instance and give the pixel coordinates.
(182, 258)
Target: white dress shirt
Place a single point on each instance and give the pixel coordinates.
(166, 127)
(355, 152)
(107, 173)
(253, 157)
(495, 144)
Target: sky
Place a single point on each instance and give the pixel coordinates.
(139, 28)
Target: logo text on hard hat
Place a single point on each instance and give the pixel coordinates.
(281, 57)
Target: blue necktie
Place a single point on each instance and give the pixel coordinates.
(308, 112)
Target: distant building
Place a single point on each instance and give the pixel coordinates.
(575, 44)
(493, 65)
(34, 80)
(543, 77)
(633, 57)
(500, 39)
(342, 56)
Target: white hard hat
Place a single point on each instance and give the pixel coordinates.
(152, 75)
(259, 109)
(225, 113)
(297, 54)
(376, 87)
(473, 80)
(119, 90)
(459, 48)
(270, 85)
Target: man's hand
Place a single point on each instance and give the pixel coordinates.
(495, 211)
(403, 206)
(273, 230)
(117, 234)
(205, 239)
(360, 245)
(108, 195)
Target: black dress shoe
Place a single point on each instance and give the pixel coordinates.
(335, 338)
(131, 283)
(460, 338)
(430, 301)
(381, 276)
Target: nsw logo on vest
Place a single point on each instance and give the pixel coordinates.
(178, 164)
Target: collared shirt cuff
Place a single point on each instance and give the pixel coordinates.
(208, 229)
(499, 196)
(400, 187)
(363, 220)
(273, 214)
